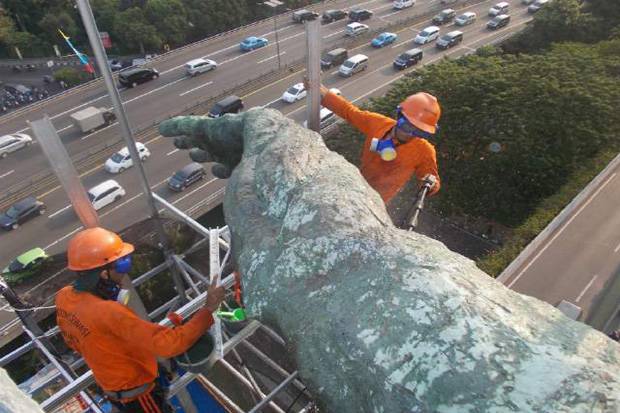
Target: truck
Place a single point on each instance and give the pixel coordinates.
(91, 118)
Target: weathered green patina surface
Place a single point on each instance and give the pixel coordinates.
(380, 319)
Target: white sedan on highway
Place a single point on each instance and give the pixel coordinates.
(294, 93)
(121, 160)
(11, 143)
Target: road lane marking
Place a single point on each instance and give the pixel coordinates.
(268, 104)
(155, 90)
(617, 248)
(69, 110)
(63, 238)
(333, 34)
(99, 130)
(172, 151)
(192, 192)
(586, 288)
(122, 204)
(196, 88)
(59, 211)
(7, 173)
(390, 14)
(64, 129)
(557, 234)
(269, 58)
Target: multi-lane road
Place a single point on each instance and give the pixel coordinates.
(173, 90)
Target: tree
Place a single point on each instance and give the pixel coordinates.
(54, 20)
(170, 19)
(104, 12)
(134, 31)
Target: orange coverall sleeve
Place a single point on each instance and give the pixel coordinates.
(162, 341)
(370, 124)
(429, 166)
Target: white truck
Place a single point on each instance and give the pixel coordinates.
(91, 118)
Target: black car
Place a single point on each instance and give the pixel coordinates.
(133, 77)
(334, 58)
(183, 178)
(230, 104)
(21, 212)
(449, 40)
(359, 15)
(498, 21)
(333, 15)
(301, 16)
(444, 16)
(407, 59)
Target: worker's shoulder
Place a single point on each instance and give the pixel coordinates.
(423, 144)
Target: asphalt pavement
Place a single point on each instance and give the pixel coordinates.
(165, 96)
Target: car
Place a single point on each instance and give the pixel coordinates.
(499, 8)
(303, 15)
(24, 266)
(327, 117)
(353, 65)
(115, 64)
(105, 193)
(527, 2)
(384, 39)
(403, 4)
(449, 40)
(465, 19)
(253, 43)
(359, 15)
(134, 77)
(444, 16)
(334, 57)
(186, 176)
(498, 22)
(294, 93)
(537, 5)
(14, 142)
(198, 66)
(230, 104)
(330, 16)
(427, 35)
(355, 29)
(121, 160)
(448, 1)
(407, 59)
(20, 212)
(17, 89)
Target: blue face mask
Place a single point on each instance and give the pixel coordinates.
(384, 147)
(123, 264)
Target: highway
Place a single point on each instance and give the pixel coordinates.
(52, 230)
(168, 94)
(173, 90)
(580, 260)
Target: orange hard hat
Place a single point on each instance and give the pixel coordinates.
(422, 110)
(95, 247)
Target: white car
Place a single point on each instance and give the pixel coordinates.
(327, 118)
(11, 143)
(197, 66)
(465, 19)
(403, 4)
(105, 193)
(121, 160)
(427, 35)
(294, 93)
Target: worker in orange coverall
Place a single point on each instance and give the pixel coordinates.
(394, 150)
(120, 348)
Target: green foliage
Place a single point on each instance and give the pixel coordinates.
(54, 20)
(135, 32)
(496, 262)
(170, 19)
(71, 76)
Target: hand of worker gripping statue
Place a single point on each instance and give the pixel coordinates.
(209, 140)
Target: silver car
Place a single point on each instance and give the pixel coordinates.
(11, 143)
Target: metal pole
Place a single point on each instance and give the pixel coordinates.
(313, 68)
(100, 56)
(275, 30)
(61, 164)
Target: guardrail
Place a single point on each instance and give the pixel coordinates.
(45, 179)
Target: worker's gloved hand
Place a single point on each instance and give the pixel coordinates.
(433, 181)
(215, 296)
(209, 140)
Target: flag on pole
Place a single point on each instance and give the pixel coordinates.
(83, 58)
